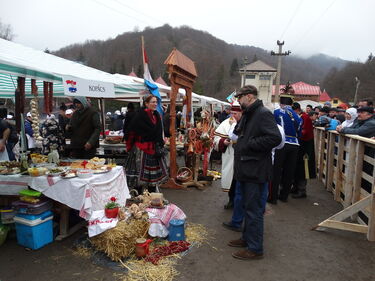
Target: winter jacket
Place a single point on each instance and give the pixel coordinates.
(365, 128)
(257, 135)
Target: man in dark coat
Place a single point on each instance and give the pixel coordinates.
(365, 125)
(257, 135)
(85, 130)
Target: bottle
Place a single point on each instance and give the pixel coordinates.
(24, 164)
(53, 156)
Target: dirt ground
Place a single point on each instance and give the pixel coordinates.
(292, 250)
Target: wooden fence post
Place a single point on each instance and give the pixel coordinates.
(329, 160)
(338, 176)
(349, 173)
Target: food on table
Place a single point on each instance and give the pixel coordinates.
(37, 158)
(10, 171)
(36, 172)
(102, 169)
(55, 171)
(97, 161)
(77, 164)
(10, 164)
(69, 174)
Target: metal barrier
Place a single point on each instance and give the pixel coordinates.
(346, 166)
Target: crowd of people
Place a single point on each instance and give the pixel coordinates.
(269, 154)
(266, 154)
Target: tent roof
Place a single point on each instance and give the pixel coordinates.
(18, 60)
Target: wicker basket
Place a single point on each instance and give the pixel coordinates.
(184, 174)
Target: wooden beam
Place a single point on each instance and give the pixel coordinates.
(354, 227)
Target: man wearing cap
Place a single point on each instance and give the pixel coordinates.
(285, 158)
(224, 144)
(257, 135)
(365, 127)
(85, 130)
(365, 103)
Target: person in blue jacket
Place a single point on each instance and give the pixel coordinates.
(285, 158)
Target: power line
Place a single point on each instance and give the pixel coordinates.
(121, 13)
(308, 30)
(141, 13)
(291, 19)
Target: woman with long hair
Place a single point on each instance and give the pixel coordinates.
(145, 166)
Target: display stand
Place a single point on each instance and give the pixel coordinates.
(182, 74)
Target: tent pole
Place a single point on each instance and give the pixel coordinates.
(19, 101)
(102, 116)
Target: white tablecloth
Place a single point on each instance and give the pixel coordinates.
(85, 195)
(12, 184)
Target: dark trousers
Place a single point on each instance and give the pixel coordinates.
(238, 205)
(254, 204)
(283, 171)
(232, 190)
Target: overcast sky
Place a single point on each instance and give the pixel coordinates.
(335, 27)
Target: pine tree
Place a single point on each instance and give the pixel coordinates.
(233, 67)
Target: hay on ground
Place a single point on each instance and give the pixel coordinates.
(196, 234)
(119, 242)
(139, 270)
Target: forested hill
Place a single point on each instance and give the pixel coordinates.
(217, 61)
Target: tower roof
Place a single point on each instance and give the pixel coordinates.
(258, 66)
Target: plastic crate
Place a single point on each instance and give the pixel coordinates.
(34, 231)
(7, 215)
(34, 209)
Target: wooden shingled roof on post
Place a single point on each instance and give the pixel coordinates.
(179, 61)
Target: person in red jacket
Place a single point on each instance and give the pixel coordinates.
(305, 167)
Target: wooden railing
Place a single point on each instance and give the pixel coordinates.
(346, 166)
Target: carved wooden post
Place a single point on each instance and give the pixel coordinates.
(182, 74)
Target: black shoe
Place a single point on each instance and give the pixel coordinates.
(230, 226)
(299, 195)
(272, 201)
(229, 205)
(294, 190)
(283, 199)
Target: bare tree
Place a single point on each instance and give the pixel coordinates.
(6, 31)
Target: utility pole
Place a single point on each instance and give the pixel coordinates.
(278, 74)
(356, 89)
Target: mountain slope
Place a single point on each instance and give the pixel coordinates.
(216, 60)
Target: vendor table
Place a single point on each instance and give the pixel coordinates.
(86, 195)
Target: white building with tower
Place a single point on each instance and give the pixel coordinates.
(261, 75)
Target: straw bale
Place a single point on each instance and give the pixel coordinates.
(119, 242)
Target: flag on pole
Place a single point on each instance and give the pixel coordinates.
(149, 82)
(231, 97)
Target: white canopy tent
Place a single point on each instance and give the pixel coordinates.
(19, 61)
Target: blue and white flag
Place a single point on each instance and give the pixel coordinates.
(231, 97)
(149, 82)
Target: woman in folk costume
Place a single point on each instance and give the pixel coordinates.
(223, 142)
(145, 165)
